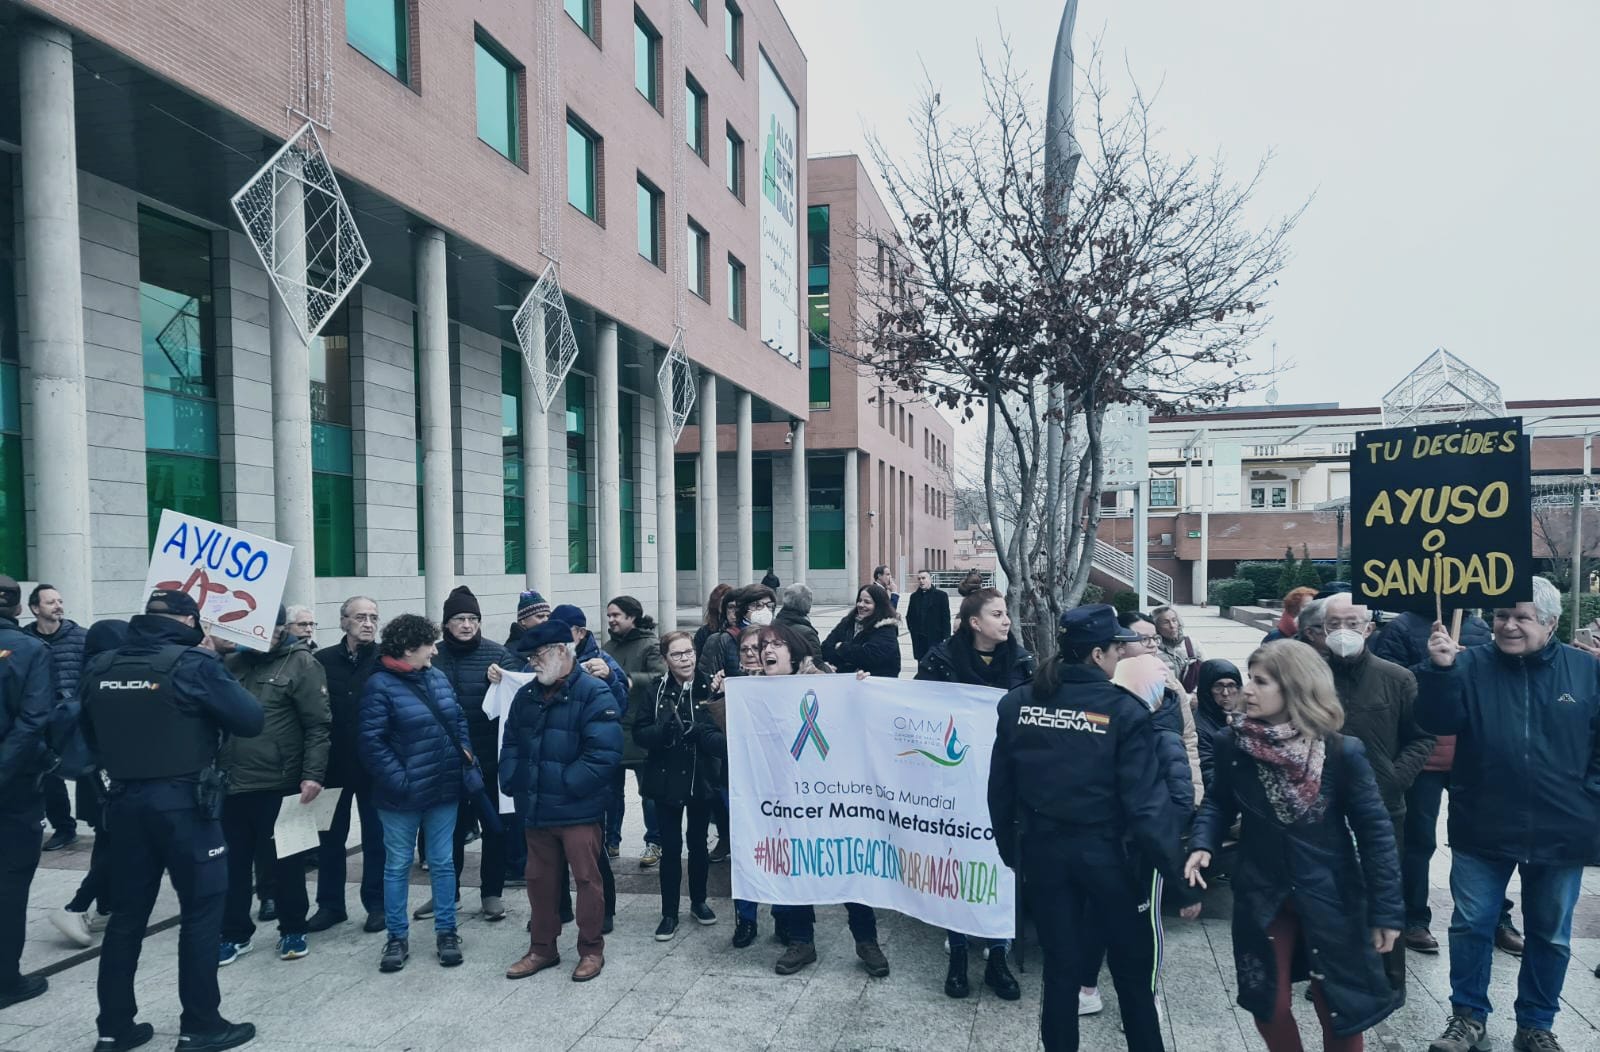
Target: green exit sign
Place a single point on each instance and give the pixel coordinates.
(1194, 535)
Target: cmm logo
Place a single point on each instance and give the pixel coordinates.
(810, 729)
(944, 745)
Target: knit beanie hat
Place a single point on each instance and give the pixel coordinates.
(461, 601)
(532, 603)
(571, 615)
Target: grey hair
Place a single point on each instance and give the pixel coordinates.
(1546, 601)
(796, 597)
(1311, 616)
(300, 613)
(344, 607)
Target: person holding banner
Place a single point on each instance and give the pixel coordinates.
(1525, 796)
(671, 718)
(1317, 880)
(981, 653)
(290, 756)
(1074, 778)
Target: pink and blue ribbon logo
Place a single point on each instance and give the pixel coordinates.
(810, 730)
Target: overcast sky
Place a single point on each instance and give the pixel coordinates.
(1452, 149)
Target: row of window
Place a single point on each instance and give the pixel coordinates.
(934, 449)
(825, 518)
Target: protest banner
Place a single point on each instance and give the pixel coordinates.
(237, 578)
(872, 791)
(1441, 516)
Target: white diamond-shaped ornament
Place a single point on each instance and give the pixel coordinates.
(544, 335)
(303, 230)
(675, 384)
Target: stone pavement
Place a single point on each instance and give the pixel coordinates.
(696, 991)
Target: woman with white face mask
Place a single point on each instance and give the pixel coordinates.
(752, 606)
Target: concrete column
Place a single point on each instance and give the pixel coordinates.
(707, 487)
(54, 353)
(608, 431)
(852, 523)
(291, 407)
(800, 515)
(666, 508)
(535, 422)
(745, 498)
(438, 486)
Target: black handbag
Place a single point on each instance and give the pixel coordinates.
(472, 780)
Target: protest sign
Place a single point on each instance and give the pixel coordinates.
(1441, 516)
(872, 791)
(237, 578)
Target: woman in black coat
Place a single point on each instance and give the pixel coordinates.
(1308, 903)
(868, 639)
(676, 774)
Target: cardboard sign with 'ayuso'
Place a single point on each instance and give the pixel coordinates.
(1441, 516)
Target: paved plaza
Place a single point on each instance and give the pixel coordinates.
(697, 991)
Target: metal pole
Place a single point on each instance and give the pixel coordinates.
(1141, 545)
(1203, 574)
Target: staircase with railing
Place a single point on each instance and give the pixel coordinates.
(1115, 562)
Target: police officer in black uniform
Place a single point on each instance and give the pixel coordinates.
(27, 692)
(1074, 788)
(154, 711)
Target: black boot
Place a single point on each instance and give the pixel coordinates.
(955, 981)
(999, 977)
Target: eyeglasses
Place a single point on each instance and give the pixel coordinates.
(680, 655)
(1224, 690)
(364, 619)
(302, 624)
(749, 650)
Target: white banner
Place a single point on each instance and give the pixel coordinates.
(1227, 476)
(872, 791)
(497, 706)
(780, 214)
(237, 578)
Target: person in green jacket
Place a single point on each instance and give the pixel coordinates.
(289, 757)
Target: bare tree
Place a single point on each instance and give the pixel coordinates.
(1552, 530)
(1144, 285)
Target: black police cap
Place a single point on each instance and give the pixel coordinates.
(167, 601)
(1094, 625)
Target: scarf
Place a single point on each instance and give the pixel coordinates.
(1289, 766)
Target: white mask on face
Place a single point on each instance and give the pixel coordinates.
(1345, 643)
(761, 618)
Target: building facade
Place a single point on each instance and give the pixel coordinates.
(1246, 483)
(650, 150)
(877, 461)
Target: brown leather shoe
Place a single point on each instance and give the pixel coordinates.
(588, 967)
(1508, 939)
(531, 964)
(1421, 940)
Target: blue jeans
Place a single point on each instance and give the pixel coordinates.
(800, 922)
(438, 825)
(1549, 894)
(745, 910)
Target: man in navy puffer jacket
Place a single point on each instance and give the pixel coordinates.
(563, 742)
(1525, 795)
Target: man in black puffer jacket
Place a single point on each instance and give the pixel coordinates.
(465, 657)
(64, 640)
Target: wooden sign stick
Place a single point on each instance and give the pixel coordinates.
(1455, 627)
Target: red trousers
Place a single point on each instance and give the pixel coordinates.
(551, 849)
(1281, 1034)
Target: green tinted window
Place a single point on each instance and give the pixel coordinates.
(13, 521)
(192, 485)
(514, 493)
(582, 191)
(582, 13)
(646, 59)
(498, 121)
(378, 29)
(650, 210)
(821, 374)
(684, 485)
(761, 526)
(333, 500)
(577, 474)
(695, 112)
(628, 447)
(826, 519)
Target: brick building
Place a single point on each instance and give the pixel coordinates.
(142, 351)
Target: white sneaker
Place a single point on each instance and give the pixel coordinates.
(73, 925)
(1090, 1003)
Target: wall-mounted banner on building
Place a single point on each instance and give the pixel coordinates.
(871, 791)
(1442, 515)
(1227, 477)
(1125, 447)
(780, 214)
(237, 578)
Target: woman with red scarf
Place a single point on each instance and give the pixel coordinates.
(1308, 901)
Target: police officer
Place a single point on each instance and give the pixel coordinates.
(27, 691)
(154, 711)
(1073, 780)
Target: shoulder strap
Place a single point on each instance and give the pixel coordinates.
(433, 710)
